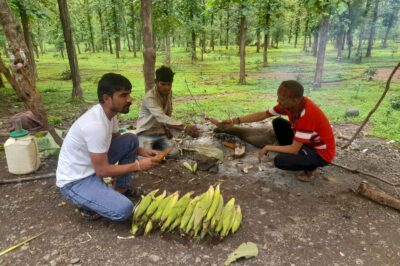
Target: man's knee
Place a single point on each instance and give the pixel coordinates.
(124, 210)
(131, 139)
(281, 162)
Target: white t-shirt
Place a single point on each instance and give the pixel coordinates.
(92, 132)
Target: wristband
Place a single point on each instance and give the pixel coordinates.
(138, 163)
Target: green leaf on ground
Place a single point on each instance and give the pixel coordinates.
(246, 250)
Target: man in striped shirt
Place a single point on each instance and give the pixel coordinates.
(306, 141)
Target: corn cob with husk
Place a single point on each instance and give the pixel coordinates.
(202, 215)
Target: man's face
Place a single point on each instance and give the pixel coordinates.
(121, 101)
(164, 87)
(287, 103)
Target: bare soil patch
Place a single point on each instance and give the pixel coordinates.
(292, 223)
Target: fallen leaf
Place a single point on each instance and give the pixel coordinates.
(246, 250)
(295, 219)
(330, 180)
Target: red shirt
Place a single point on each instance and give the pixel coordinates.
(311, 127)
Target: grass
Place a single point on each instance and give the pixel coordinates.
(214, 84)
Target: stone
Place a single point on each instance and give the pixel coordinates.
(46, 257)
(75, 260)
(352, 112)
(154, 258)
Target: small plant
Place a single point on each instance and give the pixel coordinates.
(66, 75)
(370, 73)
(395, 103)
(358, 89)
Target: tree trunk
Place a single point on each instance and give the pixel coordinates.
(340, 38)
(35, 46)
(315, 43)
(110, 45)
(373, 28)
(321, 51)
(290, 32)
(27, 34)
(258, 34)
(297, 29)
(167, 49)
(69, 42)
(23, 79)
(77, 47)
(194, 56)
(117, 38)
(227, 29)
(362, 29)
(103, 36)
(90, 26)
(349, 41)
(212, 32)
(149, 54)
(221, 30)
(266, 40)
(242, 79)
(133, 28)
(305, 35)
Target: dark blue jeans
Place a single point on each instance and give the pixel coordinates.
(92, 193)
(307, 159)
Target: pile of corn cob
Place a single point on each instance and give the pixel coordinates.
(196, 217)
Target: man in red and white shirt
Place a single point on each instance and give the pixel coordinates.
(306, 140)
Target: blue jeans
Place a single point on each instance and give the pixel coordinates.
(158, 142)
(92, 193)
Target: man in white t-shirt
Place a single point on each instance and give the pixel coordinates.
(91, 150)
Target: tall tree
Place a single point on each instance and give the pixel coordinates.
(389, 18)
(22, 7)
(242, 44)
(22, 79)
(133, 26)
(373, 29)
(88, 12)
(116, 24)
(149, 54)
(69, 42)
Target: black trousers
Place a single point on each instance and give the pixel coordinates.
(307, 158)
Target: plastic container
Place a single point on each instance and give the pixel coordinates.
(22, 154)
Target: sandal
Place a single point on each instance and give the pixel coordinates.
(308, 176)
(89, 215)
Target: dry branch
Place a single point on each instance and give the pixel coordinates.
(29, 178)
(365, 173)
(378, 196)
(373, 109)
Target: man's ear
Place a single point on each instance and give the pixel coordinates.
(106, 98)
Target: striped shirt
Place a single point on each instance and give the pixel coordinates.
(311, 127)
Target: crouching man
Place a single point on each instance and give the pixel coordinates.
(91, 150)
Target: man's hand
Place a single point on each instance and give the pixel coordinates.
(192, 131)
(227, 122)
(147, 163)
(264, 151)
(147, 153)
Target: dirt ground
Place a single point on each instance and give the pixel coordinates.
(293, 223)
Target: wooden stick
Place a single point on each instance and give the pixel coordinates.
(373, 109)
(365, 173)
(29, 178)
(378, 196)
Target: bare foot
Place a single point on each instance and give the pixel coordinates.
(307, 176)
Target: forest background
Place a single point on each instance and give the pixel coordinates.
(229, 56)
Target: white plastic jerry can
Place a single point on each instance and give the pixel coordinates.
(22, 154)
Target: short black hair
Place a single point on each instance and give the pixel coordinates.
(111, 83)
(164, 74)
(296, 89)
